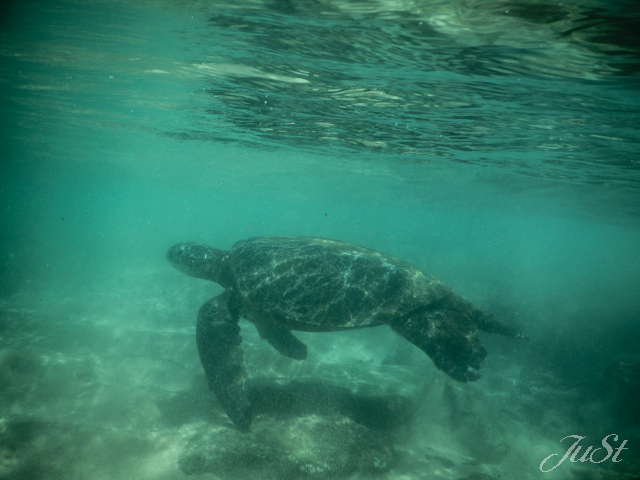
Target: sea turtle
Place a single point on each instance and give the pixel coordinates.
(319, 285)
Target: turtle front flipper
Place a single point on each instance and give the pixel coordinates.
(283, 341)
(218, 338)
(448, 337)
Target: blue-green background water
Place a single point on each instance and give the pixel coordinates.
(496, 145)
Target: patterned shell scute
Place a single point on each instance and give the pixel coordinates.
(309, 283)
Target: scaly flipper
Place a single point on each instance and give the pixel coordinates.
(218, 338)
(283, 341)
(483, 320)
(448, 336)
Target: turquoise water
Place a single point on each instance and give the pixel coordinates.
(495, 145)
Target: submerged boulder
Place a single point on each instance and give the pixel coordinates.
(380, 397)
(306, 447)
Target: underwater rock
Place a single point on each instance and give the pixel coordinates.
(35, 448)
(379, 397)
(296, 448)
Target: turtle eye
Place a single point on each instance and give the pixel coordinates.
(198, 252)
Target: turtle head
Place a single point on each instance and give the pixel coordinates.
(198, 261)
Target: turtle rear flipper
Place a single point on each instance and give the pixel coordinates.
(450, 341)
(490, 324)
(218, 338)
(283, 341)
(483, 320)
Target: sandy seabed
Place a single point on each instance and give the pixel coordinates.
(109, 386)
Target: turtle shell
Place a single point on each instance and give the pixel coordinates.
(317, 284)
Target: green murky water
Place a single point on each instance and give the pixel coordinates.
(492, 144)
